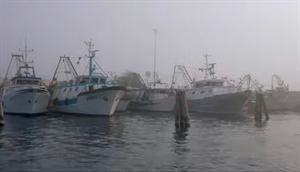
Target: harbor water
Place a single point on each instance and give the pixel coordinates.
(142, 141)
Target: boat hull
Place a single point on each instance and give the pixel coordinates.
(122, 105)
(99, 102)
(220, 104)
(277, 101)
(26, 101)
(160, 105)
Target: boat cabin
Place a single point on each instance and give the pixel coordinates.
(26, 80)
(208, 83)
(160, 91)
(85, 79)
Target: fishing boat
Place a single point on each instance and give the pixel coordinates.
(124, 102)
(279, 97)
(215, 96)
(90, 94)
(141, 96)
(125, 99)
(24, 93)
(150, 97)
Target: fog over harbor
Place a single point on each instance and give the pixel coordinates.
(260, 38)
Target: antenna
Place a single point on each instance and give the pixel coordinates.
(154, 72)
(25, 51)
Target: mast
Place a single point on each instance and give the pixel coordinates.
(206, 64)
(209, 68)
(154, 71)
(25, 51)
(91, 55)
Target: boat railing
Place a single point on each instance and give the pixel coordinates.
(229, 90)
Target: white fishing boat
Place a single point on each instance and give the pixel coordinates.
(212, 95)
(24, 93)
(90, 94)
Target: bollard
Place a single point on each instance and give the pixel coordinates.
(259, 106)
(181, 110)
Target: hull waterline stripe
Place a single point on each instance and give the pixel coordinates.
(65, 102)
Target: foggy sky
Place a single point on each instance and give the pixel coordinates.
(260, 38)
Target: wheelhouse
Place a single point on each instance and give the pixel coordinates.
(85, 79)
(209, 83)
(26, 80)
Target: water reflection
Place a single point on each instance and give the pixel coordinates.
(180, 135)
(181, 149)
(180, 140)
(148, 142)
(261, 123)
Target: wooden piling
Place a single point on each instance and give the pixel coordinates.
(260, 106)
(181, 110)
(1, 110)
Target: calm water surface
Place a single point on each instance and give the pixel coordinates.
(149, 142)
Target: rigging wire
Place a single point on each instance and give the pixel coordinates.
(100, 68)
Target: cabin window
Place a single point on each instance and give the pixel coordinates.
(35, 82)
(198, 85)
(76, 89)
(25, 82)
(77, 80)
(202, 91)
(84, 80)
(32, 82)
(102, 80)
(210, 91)
(70, 89)
(65, 90)
(162, 91)
(94, 80)
(193, 92)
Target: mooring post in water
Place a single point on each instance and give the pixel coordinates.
(1, 110)
(264, 106)
(181, 110)
(259, 106)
